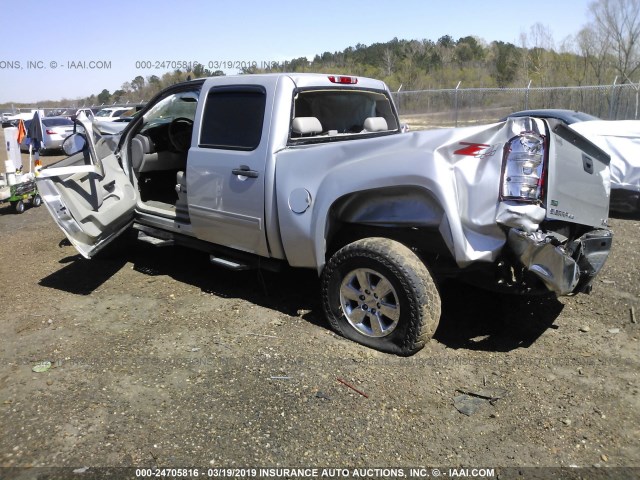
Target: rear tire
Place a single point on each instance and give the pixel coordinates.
(36, 200)
(377, 292)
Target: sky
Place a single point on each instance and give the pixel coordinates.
(72, 49)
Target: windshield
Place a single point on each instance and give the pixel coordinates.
(182, 104)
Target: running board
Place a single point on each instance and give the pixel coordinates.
(229, 264)
(155, 241)
(221, 256)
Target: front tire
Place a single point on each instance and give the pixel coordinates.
(19, 206)
(377, 292)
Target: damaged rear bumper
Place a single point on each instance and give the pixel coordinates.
(564, 268)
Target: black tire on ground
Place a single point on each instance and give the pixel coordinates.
(19, 206)
(36, 200)
(377, 292)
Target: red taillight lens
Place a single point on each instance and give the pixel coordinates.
(50, 132)
(343, 79)
(523, 167)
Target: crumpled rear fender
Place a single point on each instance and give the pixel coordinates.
(449, 180)
(457, 170)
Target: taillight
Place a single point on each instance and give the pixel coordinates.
(50, 132)
(523, 167)
(343, 80)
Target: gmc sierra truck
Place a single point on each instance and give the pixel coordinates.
(315, 171)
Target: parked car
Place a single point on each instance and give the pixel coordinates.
(313, 171)
(54, 131)
(113, 128)
(112, 113)
(111, 121)
(72, 112)
(619, 138)
(13, 120)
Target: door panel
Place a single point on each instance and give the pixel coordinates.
(225, 208)
(90, 208)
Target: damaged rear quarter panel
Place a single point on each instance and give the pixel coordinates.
(459, 168)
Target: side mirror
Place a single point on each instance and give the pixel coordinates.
(74, 143)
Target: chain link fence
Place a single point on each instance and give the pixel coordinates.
(475, 106)
(472, 106)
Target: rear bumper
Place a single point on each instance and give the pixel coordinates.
(53, 143)
(563, 268)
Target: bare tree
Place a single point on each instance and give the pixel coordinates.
(538, 46)
(619, 22)
(388, 61)
(593, 45)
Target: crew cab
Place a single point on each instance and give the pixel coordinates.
(315, 171)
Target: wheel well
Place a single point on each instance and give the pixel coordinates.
(410, 215)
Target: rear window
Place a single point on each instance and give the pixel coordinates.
(344, 112)
(56, 122)
(233, 118)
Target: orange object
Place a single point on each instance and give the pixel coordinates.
(22, 132)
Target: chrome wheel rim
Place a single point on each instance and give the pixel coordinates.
(370, 303)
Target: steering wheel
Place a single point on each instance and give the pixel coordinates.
(180, 130)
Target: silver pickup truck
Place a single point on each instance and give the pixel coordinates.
(315, 171)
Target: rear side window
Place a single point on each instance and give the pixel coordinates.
(233, 118)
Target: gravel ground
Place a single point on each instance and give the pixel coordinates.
(159, 359)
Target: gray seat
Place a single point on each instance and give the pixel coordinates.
(140, 146)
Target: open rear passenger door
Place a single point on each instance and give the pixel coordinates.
(88, 194)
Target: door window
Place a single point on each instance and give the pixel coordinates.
(233, 118)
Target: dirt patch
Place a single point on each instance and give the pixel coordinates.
(159, 359)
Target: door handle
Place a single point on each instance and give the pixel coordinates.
(245, 172)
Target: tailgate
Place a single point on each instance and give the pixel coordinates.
(578, 182)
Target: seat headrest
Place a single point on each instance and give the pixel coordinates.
(375, 124)
(147, 144)
(306, 125)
